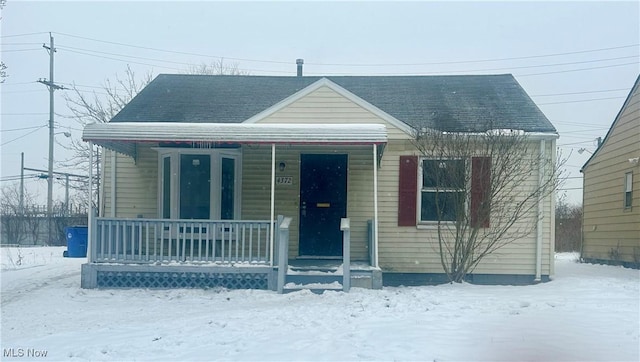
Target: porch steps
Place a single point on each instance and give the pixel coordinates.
(315, 279)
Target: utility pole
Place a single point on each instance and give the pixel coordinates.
(52, 88)
(21, 183)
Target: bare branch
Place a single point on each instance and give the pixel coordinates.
(98, 107)
(509, 208)
(217, 67)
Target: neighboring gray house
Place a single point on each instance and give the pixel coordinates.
(197, 168)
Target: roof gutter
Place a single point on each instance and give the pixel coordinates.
(529, 135)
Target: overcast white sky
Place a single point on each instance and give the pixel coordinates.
(577, 60)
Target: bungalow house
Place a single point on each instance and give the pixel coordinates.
(611, 197)
(259, 181)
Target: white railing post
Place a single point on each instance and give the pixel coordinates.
(131, 240)
(92, 233)
(345, 226)
(283, 252)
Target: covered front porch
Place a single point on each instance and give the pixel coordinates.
(218, 190)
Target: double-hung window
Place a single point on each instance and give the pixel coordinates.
(442, 195)
(432, 190)
(628, 190)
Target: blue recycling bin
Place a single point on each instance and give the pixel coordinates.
(77, 237)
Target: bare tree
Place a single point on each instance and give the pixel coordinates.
(481, 192)
(16, 218)
(3, 72)
(3, 67)
(217, 67)
(99, 107)
(568, 226)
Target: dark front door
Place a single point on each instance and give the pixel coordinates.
(323, 202)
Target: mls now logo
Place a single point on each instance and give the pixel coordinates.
(24, 352)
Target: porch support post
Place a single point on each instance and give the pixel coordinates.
(114, 169)
(345, 226)
(283, 252)
(273, 195)
(91, 216)
(375, 205)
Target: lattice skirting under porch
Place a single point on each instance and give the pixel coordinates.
(181, 280)
(171, 277)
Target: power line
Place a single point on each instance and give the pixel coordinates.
(354, 64)
(12, 177)
(22, 83)
(483, 60)
(25, 34)
(24, 91)
(585, 92)
(580, 100)
(578, 70)
(121, 55)
(19, 50)
(24, 135)
(573, 143)
(76, 50)
(5, 44)
(19, 129)
(123, 60)
(577, 123)
(163, 66)
(173, 51)
(23, 114)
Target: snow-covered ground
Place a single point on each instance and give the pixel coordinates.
(588, 313)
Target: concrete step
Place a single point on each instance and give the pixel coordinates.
(316, 288)
(313, 278)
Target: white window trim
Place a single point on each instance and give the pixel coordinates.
(433, 224)
(628, 188)
(216, 155)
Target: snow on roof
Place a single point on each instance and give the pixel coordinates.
(122, 136)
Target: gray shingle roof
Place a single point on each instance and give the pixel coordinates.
(459, 103)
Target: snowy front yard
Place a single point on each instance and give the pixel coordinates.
(589, 312)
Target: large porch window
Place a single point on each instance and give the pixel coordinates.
(199, 184)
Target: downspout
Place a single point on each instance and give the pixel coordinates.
(375, 205)
(541, 170)
(552, 219)
(273, 195)
(114, 169)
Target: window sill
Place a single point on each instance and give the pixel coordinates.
(432, 225)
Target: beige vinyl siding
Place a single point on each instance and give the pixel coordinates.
(256, 189)
(136, 184)
(140, 195)
(414, 249)
(401, 249)
(325, 106)
(608, 227)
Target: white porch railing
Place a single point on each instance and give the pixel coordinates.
(117, 240)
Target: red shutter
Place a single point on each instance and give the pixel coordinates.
(480, 191)
(408, 191)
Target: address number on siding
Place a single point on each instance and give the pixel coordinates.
(284, 180)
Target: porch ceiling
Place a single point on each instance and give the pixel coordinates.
(123, 136)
